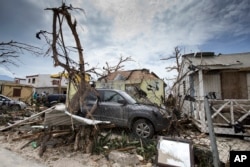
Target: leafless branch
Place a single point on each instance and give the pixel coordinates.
(109, 69)
(10, 51)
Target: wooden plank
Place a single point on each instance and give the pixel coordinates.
(219, 110)
(232, 112)
(244, 116)
(224, 118)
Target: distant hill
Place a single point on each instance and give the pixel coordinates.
(6, 78)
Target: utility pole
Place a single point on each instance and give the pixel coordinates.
(216, 160)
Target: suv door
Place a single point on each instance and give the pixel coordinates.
(110, 108)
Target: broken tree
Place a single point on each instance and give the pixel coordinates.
(76, 71)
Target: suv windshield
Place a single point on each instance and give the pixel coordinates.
(128, 97)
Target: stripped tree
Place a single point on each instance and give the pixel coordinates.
(174, 101)
(177, 68)
(75, 71)
(60, 54)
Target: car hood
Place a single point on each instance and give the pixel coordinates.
(22, 104)
(151, 108)
(145, 107)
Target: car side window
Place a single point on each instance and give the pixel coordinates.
(110, 96)
(3, 99)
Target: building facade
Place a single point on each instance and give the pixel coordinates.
(142, 84)
(46, 83)
(224, 81)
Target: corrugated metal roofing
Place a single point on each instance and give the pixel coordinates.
(221, 61)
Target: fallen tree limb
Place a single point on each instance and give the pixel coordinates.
(27, 136)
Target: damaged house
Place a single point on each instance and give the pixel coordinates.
(139, 83)
(225, 80)
(16, 90)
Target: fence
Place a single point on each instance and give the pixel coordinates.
(233, 121)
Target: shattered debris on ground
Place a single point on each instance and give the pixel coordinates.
(47, 136)
(29, 134)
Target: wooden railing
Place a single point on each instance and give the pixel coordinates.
(229, 112)
(227, 115)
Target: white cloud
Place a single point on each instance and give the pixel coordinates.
(4, 71)
(145, 30)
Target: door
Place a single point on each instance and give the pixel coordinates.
(234, 85)
(109, 109)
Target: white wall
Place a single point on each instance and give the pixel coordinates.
(44, 80)
(212, 83)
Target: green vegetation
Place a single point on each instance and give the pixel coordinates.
(104, 143)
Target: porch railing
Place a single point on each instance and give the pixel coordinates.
(230, 116)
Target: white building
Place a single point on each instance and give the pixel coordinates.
(45, 83)
(224, 80)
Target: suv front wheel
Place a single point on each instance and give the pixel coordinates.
(143, 128)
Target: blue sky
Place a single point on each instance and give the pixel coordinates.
(146, 30)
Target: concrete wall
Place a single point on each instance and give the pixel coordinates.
(153, 88)
(44, 80)
(25, 95)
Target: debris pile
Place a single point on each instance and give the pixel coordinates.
(55, 130)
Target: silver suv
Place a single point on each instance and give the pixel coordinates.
(121, 109)
(8, 103)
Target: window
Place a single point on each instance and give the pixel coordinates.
(33, 80)
(2, 98)
(110, 96)
(29, 80)
(16, 92)
(132, 88)
(55, 82)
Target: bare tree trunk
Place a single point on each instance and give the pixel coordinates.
(84, 134)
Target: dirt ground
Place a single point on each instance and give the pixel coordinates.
(53, 157)
(62, 156)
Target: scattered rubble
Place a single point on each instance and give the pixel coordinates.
(27, 133)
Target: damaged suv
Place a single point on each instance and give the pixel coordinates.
(122, 110)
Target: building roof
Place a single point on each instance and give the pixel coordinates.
(15, 84)
(130, 75)
(222, 61)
